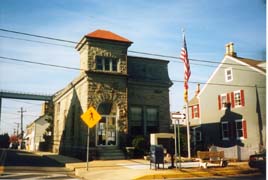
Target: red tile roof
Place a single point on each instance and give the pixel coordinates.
(107, 35)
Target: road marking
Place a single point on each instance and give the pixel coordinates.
(3, 157)
(135, 166)
(36, 176)
(1, 169)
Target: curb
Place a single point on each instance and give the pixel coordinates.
(193, 174)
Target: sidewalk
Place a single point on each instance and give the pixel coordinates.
(139, 169)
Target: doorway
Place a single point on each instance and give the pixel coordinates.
(107, 131)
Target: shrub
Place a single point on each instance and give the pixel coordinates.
(140, 145)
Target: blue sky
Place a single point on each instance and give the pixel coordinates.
(153, 26)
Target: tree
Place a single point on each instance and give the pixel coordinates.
(48, 135)
(4, 140)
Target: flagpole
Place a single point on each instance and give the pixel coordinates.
(187, 73)
(188, 131)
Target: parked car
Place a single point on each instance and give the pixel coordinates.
(258, 161)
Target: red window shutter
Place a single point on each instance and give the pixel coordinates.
(228, 98)
(192, 112)
(198, 111)
(244, 126)
(219, 101)
(232, 99)
(242, 97)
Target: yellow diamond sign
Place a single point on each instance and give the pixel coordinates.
(91, 117)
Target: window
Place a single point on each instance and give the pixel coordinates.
(99, 63)
(235, 99)
(106, 64)
(152, 120)
(241, 129)
(228, 75)
(135, 120)
(114, 65)
(135, 116)
(143, 120)
(223, 99)
(195, 111)
(225, 130)
(238, 98)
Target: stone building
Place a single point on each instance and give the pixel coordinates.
(130, 93)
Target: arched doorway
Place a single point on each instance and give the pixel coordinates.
(106, 129)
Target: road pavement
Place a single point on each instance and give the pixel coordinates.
(17, 164)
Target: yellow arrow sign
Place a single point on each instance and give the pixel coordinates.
(91, 117)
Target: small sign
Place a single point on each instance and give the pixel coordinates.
(91, 117)
(178, 118)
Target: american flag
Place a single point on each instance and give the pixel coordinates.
(187, 71)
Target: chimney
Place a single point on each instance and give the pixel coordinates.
(230, 49)
(197, 89)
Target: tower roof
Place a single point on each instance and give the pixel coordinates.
(107, 35)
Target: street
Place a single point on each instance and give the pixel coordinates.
(241, 177)
(17, 164)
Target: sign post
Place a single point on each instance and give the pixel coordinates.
(175, 132)
(91, 117)
(177, 120)
(87, 146)
(179, 148)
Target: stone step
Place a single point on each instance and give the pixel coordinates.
(110, 153)
(111, 157)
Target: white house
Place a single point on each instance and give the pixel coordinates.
(35, 132)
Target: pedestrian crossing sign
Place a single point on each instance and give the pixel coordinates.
(91, 117)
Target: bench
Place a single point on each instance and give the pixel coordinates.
(212, 157)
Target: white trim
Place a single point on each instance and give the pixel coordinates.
(225, 138)
(211, 77)
(223, 107)
(221, 64)
(237, 106)
(226, 74)
(245, 64)
(198, 109)
(116, 131)
(242, 137)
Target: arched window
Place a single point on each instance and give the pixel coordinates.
(105, 108)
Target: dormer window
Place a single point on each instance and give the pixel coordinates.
(228, 75)
(106, 64)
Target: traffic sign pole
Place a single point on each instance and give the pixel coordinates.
(91, 117)
(87, 146)
(179, 148)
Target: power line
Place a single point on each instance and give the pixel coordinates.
(38, 36)
(23, 101)
(51, 65)
(176, 61)
(217, 84)
(136, 52)
(38, 63)
(41, 42)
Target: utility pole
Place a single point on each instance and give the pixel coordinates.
(21, 124)
(18, 125)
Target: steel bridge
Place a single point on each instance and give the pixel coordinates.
(22, 95)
